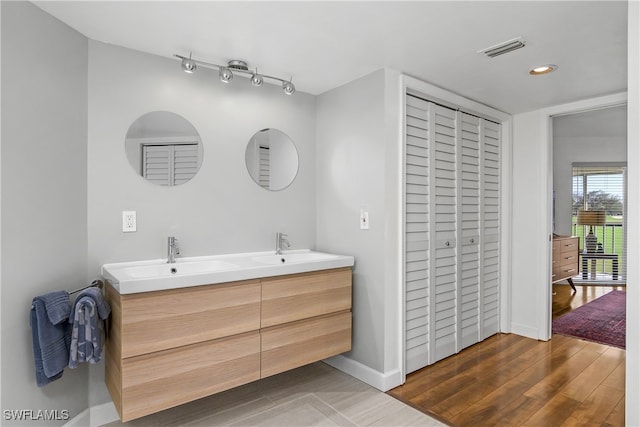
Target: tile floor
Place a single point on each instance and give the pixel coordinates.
(313, 395)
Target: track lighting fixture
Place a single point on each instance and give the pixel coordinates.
(226, 72)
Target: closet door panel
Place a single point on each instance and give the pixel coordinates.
(443, 240)
(416, 234)
(490, 226)
(469, 264)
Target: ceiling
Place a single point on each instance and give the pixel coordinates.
(323, 45)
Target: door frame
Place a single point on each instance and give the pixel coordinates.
(546, 123)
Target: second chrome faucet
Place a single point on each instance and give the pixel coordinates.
(281, 241)
(172, 249)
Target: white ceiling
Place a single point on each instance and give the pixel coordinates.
(323, 45)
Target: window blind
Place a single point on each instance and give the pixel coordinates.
(602, 187)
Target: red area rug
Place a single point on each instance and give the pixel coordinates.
(603, 320)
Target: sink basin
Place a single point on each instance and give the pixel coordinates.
(289, 258)
(155, 275)
(168, 270)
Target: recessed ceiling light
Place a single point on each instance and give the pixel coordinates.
(543, 69)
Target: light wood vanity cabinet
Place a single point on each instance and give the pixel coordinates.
(305, 318)
(166, 348)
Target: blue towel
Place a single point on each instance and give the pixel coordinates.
(88, 314)
(50, 335)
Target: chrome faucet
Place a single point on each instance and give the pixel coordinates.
(172, 249)
(281, 240)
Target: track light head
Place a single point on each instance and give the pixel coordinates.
(288, 88)
(188, 64)
(225, 75)
(257, 79)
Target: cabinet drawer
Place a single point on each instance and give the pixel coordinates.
(154, 321)
(161, 380)
(300, 296)
(300, 343)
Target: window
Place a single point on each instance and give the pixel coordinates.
(602, 187)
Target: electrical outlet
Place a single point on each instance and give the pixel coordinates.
(128, 221)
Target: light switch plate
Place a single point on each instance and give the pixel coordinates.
(128, 221)
(364, 219)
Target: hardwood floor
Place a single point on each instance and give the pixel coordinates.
(509, 380)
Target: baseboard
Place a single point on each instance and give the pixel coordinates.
(103, 414)
(381, 381)
(524, 330)
(95, 416)
(83, 419)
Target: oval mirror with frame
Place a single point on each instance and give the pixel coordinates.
(271, 159)
(164, 148)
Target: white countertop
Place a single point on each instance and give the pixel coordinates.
(157, 274)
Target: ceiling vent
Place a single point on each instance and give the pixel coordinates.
(502, 48)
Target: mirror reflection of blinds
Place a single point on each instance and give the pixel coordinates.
(264, 166)
(169, 164)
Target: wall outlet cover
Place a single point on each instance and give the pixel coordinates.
(129, 221)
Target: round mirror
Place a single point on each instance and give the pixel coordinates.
(164, 148)
(272, 159)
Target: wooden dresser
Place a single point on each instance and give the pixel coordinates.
(565, 258)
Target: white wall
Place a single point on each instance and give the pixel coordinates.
(632, 394)
(530, 229)
(44, 193)
(350, 159)
(576, 149)
(357, 157)
(221, 210)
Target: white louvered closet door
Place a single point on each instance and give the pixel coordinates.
(451, 231)
(443, 237)
(469, 301)
(490, 227)
(416, 234)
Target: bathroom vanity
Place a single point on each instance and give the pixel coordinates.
(170, 346)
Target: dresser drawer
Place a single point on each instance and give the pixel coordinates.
(567, 259)
(569, 245)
